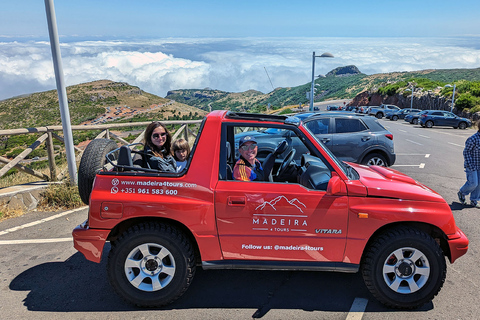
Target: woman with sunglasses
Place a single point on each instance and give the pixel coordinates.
(248, 168)
(157, 151)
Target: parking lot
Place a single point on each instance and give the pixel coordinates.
(42, 275)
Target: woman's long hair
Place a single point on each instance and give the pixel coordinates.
(148, 139)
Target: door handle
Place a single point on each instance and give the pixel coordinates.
(325, 140)
(366, 138)
(236, 201)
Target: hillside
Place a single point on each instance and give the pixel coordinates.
(334, 86)
(92, 103)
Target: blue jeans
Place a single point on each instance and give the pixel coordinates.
(472, 186)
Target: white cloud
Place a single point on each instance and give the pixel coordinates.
(157, 66)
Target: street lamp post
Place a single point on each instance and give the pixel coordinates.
(453, 95)
(411, 99)
(324, 55)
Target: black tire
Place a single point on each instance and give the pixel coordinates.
(375, 159)
(397, 280)
(462, 125)
(415, 121)
(93, 159)
(379, 115)
(394, 118)
(172, 272)
(429, 124)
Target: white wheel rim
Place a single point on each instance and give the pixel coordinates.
(406, 270)
(149, 267)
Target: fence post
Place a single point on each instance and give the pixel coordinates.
(107, 134)
(51, 157)
(186, 132)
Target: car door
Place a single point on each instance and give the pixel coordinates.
(350, 138)
(438, 118)
(321, 128)
(450, 119)
(274, 221)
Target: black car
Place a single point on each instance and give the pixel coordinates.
(400, 114)
(351, 137)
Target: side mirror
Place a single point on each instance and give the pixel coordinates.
(336, 186)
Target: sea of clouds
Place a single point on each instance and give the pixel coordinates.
(229, 64)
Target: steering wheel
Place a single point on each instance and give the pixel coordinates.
(283, 167)
(269, 161)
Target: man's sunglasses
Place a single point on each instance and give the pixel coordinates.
(156, 135)
(250, 147)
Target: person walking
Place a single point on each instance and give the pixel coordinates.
(471, 155)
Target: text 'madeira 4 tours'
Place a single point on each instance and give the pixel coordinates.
(309, 212)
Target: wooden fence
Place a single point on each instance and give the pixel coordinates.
(50, 133)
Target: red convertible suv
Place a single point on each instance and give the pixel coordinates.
(312, 213)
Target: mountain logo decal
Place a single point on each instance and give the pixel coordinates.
(294, 202)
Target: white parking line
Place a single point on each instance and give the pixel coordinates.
(402, 130)
(414, 142)
(458, 145)
(421, 135)
(414, 154)
(357, 309)
(421, 165)
(34, 223)
(30, 241)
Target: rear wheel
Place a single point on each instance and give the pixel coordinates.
(374, 159)
(404, 268)
(379, 115)
(429, 124)
(151, 264)
(93, 159)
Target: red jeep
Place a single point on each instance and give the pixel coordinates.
(312, 212)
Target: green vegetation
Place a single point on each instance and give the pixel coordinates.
(61, 196)
(337, 87)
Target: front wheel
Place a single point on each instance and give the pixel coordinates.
(394, 118)
(462, 125)
(379, 115)
(374, 159)
(404, 268)
(415, 121)
(151, 264)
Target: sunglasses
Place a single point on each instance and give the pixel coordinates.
(250, 147)
(156, 135)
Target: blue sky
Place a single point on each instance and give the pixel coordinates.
(228, 45)
(246, 18)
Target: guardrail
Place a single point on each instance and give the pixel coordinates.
(49, 133)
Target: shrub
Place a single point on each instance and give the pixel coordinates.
(466, 101)
(286, 111)
(61, 196)
(392, 89)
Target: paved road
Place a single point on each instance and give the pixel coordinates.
(52, 280)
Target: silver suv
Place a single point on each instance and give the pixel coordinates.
(351, 137)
